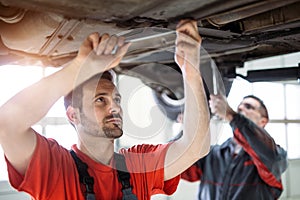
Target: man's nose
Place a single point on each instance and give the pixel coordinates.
(240, 108)
(114, 107)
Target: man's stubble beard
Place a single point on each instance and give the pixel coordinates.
(93, 128)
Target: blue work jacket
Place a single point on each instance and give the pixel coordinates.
(254, 173)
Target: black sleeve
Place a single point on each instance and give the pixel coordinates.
(269, 158)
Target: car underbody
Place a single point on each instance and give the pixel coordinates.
(49, 32)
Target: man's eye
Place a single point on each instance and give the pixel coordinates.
(249, 106)
(118, 100)
(100, 99)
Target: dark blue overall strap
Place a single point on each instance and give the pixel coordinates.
(84, 177)
(88, 181)
(124, 177)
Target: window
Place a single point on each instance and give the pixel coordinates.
(293, 142)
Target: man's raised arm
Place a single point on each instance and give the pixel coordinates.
(30, 105)
(195, 142)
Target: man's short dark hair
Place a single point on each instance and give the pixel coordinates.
(74, 97)
(262, 108)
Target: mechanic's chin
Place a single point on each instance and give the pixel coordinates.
(242, 113)
(113, 132)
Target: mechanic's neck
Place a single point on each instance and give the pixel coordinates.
(237, 146)
(100, 150)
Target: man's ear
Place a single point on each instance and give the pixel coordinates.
(264, 121)
(72, 114)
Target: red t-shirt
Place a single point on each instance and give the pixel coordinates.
(52, 173)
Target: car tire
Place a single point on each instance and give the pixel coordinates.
(170, 105)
